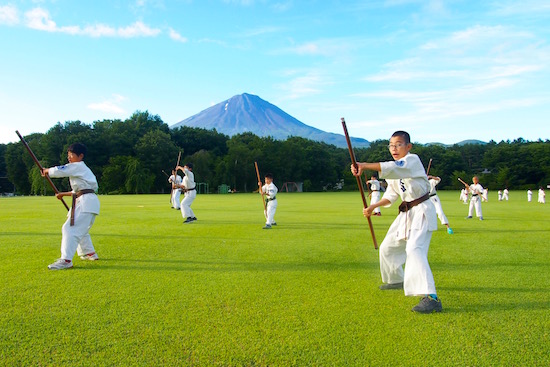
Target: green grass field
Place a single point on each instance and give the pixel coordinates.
(223, 292)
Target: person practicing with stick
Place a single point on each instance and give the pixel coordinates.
(434, 180)
(375, 193)
(270, 192)
(475, 200)
(176, 181)
(189, 193)
(85, 207)
(408, 238)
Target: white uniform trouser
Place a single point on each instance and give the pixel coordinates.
(176, 198)
(77, 238)
(374, 198)
(417, 277)
(271, 208)
(439, 210)
(475, 202)
(188, 198)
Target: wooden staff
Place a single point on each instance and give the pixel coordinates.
(260, 186)
(41, 168)
(429, 165)
(359, 181)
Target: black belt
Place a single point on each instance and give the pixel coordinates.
(273, 198)
(76, 195)
(433, 194)
(190, 189)
(406, 205)
(475, 194)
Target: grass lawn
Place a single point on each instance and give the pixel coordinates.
(223, 292)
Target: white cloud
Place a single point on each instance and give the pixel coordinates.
(111, 105)
(9, 15)
(39, 19)
(309, 83)
(176, 36)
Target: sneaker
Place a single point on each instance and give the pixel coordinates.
(273, 224)
(267, 226)
(469, 217)
(480, 218)
(194, 218)
(428, 305)
(92, 257)
(385, 287)
(449, 231)
(188, 220)
(60, 264)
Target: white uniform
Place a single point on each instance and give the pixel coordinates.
(529, 195)
(542, 196)
(270, 192)
(77, 238)
(505, 194)
(464, 195)
(436, 201)
(375, 193)
(408, 238)
(475, 200)
(499, 195)
(175, 198)
(189, 194)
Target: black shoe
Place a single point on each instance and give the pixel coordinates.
(428, 305)
(194, 218)
(273, 224)
(385, 287)
(188, 220)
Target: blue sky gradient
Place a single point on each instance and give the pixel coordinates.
(444, 70)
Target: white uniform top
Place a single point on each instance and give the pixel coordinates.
(188, 180)
(476, 189)
(407, 179)
(374, 185)
(433, 183)
(80, 178)
(270, 191)
(177, 180)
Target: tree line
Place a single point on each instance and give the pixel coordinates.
(136, 155)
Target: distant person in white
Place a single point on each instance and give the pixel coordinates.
(529, 195)
(176, 181)
(434, 180)
(375, 194)
(505, 194)
(270, 192)
(475, 202)
(542, 196)
(189, 193)
(499, 195)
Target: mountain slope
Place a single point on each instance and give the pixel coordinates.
(249, 113)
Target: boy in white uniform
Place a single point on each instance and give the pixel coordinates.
(375, 193)
(408, 238)
(529, 195)
(434, 180)
(505, 194)
(542, 196)
(76, 229)
(270, 192)
(175, 180)
(188, 187)
(475, 201)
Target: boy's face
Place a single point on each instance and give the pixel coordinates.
(475, 180)
(398, 147)
(72, 157)
(268, 180)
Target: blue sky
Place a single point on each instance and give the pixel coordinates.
(444, 70)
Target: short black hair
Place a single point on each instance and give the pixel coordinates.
(78, 149)
(269, 175)
(189, 165)
(402, 134)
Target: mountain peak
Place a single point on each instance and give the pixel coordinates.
(250, 113)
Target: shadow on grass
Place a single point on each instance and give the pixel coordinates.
(225, 266)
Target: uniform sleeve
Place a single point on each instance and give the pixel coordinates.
(407, 167)
(65, 170)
